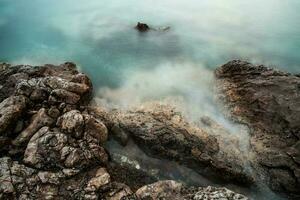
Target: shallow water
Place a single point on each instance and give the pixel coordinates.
(128, 68)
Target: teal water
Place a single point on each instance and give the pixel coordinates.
(98, 34)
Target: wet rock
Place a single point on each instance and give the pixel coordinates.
(268, 101)
(142, 27)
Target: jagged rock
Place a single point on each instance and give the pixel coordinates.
(268, 101)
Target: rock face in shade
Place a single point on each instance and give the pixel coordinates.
(268, 101)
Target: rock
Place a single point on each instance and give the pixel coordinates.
(6, 186)
(160, 190)
(60, 95)
(119, 135)
(38, 95)
(214, 193)
(101, 178)
(96, 129)
(161, 132)
(52, 142)
(268, 101)
(38, 121)
(10, 111)
(72, 122)
(142, 27)
(171, 190)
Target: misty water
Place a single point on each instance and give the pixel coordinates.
(128, 67)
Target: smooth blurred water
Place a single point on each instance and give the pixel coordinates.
(99, 34)
(127, 67)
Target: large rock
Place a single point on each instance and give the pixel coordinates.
(268, 101)
(162, 132)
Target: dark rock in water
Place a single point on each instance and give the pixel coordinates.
(268, 101)
(142, 27)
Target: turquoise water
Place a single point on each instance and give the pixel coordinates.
(127, 67)
(98, 34)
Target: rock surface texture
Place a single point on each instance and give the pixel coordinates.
(52, 142)
(268, 101)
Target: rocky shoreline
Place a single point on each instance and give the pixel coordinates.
(52, 138)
